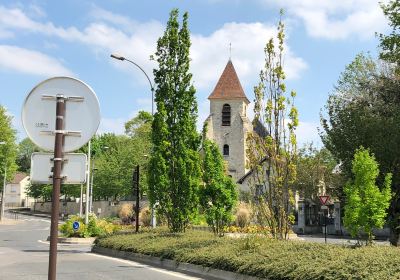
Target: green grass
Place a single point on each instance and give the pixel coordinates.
(264, 257)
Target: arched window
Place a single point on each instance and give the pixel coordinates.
(226, 115)
(226, 150)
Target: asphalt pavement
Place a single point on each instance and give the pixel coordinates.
(24, 256)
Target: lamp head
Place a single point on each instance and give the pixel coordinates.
(117, 56)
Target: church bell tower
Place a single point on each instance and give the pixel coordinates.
(228, 123)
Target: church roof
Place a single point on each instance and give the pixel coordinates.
(228, 86)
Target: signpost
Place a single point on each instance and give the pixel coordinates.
(60, 114)
(324, 199)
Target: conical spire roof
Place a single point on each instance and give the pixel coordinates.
(228, 86)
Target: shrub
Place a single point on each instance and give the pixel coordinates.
(125, 213)
(95, 227)
(145, 216)
(263, 257)
(243, 215)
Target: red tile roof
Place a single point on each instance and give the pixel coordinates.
(228, 86)
(18, 177)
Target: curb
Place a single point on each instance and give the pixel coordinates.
(74, 240)
(192, 269)
(31, 214)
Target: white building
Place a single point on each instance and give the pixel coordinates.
(15, 192)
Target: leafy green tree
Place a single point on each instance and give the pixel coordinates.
(42, 192)
(317, 168)
(218, 195)
(8, 148)
(174, 173)
(364, 110)
(25, 149)
(272, 157)
(114, 167)
(366, 205)
(390, 44)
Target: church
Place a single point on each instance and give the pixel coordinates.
(228, 123)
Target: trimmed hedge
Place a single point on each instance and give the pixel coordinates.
(264, 257)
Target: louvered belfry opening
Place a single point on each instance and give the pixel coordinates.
(226, 115)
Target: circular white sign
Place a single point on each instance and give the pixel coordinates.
(39, 113)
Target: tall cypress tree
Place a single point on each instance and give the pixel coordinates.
(174, 173)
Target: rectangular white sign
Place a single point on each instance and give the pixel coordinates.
(73, 170)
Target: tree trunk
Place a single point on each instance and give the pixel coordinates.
(394, 237)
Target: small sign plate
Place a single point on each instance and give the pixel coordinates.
(74, 168)
(324, 199)
(75, 226)
(324, 207)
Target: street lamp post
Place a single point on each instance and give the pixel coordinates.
(122, 58)
(119, 57)
(4, 186)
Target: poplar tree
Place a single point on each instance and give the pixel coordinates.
(174, 173)
(272, 156)
(8, 146)
(218, 195)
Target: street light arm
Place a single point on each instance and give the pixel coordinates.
(134, 63)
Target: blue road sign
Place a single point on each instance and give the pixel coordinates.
(75, 225)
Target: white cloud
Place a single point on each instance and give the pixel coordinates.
(211, 53)
(109, 33)
(115, 125)
(31, 62)
(336, 19)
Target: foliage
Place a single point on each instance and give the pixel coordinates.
(317, 173)
(25, 149)
(243, 215)
(264, 257)
(364, 110)
(145, 216)
(272, 157)
(95, 227)
(390, 43)
(174, 173)
(366, 205)
(8, 150)
(218, 195)
(125, 213)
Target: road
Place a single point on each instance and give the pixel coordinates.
(24, 255)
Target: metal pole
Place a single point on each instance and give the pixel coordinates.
(81, 202)
(325, 227)
(137, 198)
(58, 160)
(87, 185)
(91, 190)
(3, 192)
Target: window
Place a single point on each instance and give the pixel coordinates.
(226, 115)
(226, 150)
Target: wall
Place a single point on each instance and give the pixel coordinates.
(72, 208)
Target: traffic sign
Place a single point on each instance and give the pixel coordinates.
(75, 226)
(73, 171)
(82, 116)
(324, 199)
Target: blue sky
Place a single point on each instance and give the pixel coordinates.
(40, 39)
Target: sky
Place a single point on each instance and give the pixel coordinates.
(40, 39)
